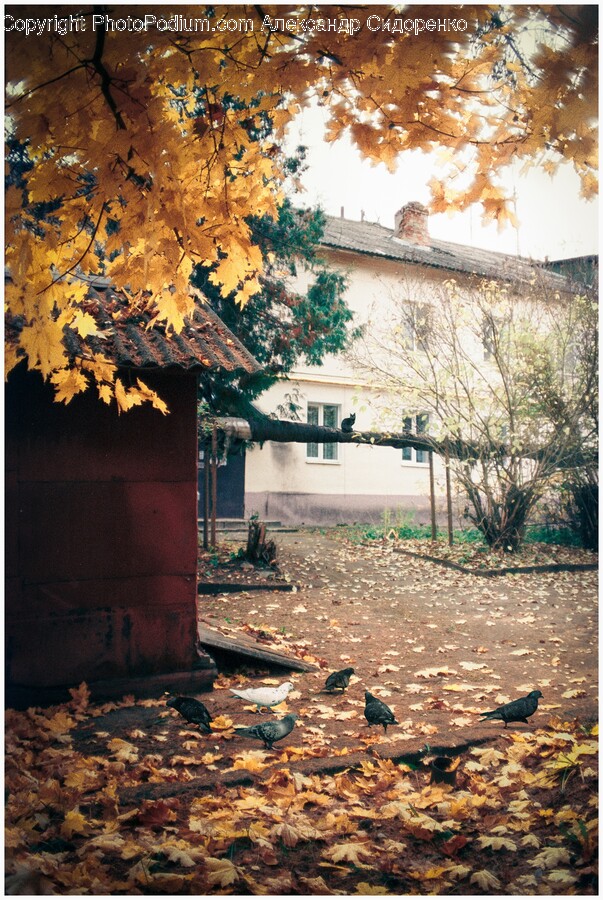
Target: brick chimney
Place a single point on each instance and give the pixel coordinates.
(412, 224)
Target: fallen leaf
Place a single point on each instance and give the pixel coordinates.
(485, 880)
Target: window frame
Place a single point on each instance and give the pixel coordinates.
(320, 458)
(419, 421)
(417, 326)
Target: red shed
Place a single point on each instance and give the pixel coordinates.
(101, 517)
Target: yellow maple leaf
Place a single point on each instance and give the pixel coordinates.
(221, 872)
(496, 843)
(251, 760)
(363, 887)
(182, 854)
(75, 823)
(42, 341)
(122, 750)
(80, 697)
(84, 324)
(68, 383)
(434, 671)
(350, 851)
(550, 857)
(287, 834)
(485, 880)
(60, 723)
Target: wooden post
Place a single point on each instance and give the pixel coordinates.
(205, 494)
(214, 482)
(448, 498)
(434, 529)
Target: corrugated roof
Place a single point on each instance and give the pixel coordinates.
(205, 342)
(374, 240)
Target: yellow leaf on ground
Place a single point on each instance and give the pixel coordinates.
(497, 843)
(122, 750)
(60, 723)
(485, 880)
(251, 760)
(75, 823)
(562, 877)
(350, 851)
(221, 872)
(433, 672)
(549, 857)
(366, 889)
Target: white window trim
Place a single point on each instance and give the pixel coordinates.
(414, 463)
(319, 460)
(323, 462)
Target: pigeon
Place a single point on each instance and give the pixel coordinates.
(265, 696)
(376, 712)
(516, 710)
(347, 425)
(270, 732)
(338, 680)
(193, 711)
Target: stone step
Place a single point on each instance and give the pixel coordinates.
(241, 527)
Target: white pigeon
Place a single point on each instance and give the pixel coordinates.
(265, 696)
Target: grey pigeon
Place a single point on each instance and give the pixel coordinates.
(193, 711)
(376, 712)
(270, 732)
(347, 424)
(338, 680)
(516, 710)
(265, 696)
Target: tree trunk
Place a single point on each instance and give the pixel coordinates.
(260, 428)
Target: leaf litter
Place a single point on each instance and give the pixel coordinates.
(121, 798)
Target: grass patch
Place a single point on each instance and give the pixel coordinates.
(408, 531)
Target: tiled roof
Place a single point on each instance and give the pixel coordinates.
(205, 342)
(372, 239)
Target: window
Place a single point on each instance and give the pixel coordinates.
(495, 336)
(415, 425)
(326, 414)
(417, 326)
(488, 338)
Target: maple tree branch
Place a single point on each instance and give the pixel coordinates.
(105, 77)
(83, 255)
(45, 84)
(295, 37)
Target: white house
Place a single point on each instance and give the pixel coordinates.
(345, 483)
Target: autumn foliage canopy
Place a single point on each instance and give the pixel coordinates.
(140, 153)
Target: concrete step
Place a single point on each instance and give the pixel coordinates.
(241, 527)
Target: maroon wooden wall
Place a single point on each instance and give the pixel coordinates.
(101, 541)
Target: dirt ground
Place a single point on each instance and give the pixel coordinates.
(436, 644)
(127, 798)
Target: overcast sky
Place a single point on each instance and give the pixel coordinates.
(554, 221)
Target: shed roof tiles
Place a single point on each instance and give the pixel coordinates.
(205, 342)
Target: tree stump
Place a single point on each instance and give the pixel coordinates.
(260, 550)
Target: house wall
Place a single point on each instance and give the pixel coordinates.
(282, 484)
(101, 546)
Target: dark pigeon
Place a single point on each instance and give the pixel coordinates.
(193, 711)
(338, 680)
(376, 712)
(270, 732)
(516, 710)
(347, 425)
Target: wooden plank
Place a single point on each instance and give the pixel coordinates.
(245, 646)
(231, 587)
